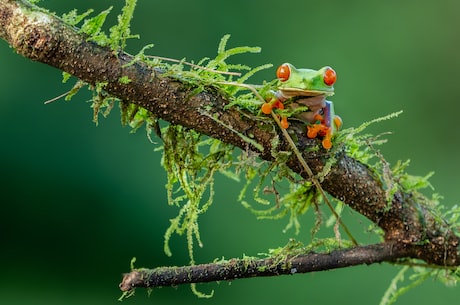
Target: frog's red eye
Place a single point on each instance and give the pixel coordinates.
(329, 76)
(283, 72)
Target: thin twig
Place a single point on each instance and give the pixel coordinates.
(57, 97)
(193, 65)
(256, 267)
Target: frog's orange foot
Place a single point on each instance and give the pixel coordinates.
(320, 130)
(327, 142)
(315, 130)
(312, 131)
(324, 130)
(284, 122)
(266, 108)
(338, 122)
(278, 104)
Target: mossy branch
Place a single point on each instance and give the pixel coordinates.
(410, 229)
(255, 267)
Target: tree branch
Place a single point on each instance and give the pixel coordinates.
(409, 227)
(250, 267)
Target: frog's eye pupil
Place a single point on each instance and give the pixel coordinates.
(283, 72)
(329, 76)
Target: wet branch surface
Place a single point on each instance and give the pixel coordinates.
(410, 230)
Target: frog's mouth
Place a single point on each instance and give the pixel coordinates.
(293, 92)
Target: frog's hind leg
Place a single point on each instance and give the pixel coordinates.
(324, 125)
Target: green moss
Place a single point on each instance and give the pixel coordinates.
(124, 80)
(92, 27)
(73, 18)
(191, 160)
(363, 148)
(261, 177)
(121, 32)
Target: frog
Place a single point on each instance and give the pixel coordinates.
(310, 88)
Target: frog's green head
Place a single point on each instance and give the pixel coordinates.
(305, 82)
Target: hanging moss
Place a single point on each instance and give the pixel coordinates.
(191, 160)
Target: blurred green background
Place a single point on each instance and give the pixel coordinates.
(79, 201)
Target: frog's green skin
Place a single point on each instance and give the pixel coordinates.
(306, 87)
(303, 82)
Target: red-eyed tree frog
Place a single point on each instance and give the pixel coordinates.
(306, 87)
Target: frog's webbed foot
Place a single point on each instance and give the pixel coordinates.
(319, 128)
(268, 106)
(323, 128)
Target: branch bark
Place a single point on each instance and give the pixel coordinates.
(249, 267)
(410, 229)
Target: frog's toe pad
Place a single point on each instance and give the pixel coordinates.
(327, 143)
(312, 131)
(266, 108)
(338, 122)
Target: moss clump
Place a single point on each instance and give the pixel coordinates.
(191, 160)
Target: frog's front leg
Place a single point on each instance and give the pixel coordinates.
(326, 125)
(276, 103)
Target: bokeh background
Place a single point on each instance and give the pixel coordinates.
(79, 201)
